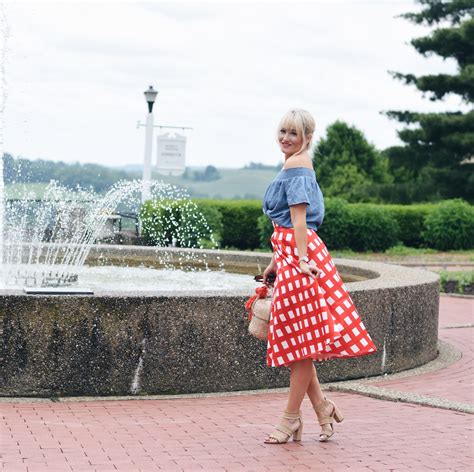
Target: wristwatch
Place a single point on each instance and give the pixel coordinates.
(304, 259)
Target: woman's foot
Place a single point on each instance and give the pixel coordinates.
(290, 425)
(327, 412)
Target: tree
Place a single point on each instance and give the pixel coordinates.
(210, 173)
(347, 165)
(100, 178)
(438, 151)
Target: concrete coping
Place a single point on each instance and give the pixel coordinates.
(378, 275)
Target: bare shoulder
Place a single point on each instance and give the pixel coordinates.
(298, 161)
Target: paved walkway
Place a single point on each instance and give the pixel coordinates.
(224, 433)
(455, 382)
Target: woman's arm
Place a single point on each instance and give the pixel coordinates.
(298, 220)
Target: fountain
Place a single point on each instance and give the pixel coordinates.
(46, 242)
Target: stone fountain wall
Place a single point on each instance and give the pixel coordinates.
(124, 344)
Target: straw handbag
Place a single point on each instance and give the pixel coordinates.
(259, 307)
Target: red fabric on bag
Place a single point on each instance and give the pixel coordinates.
(260, 292)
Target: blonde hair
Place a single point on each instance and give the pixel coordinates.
(302, 122)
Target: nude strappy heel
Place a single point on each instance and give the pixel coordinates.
(326, 421)
(283, 433)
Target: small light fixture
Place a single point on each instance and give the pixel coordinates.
(150, 96)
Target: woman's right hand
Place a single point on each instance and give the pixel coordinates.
(271, 269)
(311, 270)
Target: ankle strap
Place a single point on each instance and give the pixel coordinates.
(323, 405)
(292, 416)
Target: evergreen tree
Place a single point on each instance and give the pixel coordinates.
(438, 155)
(347, 165)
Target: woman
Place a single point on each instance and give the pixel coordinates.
(313, 316)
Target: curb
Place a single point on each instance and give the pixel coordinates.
(457, 295)
(447, 355)
(404, 397)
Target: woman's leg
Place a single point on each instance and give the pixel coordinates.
(303, 380)
(301, 373)
(300, 378)
(323, 410)
(314, 391)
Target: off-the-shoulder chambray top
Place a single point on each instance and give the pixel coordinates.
(290, 187)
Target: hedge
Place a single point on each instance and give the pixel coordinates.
(357, 226)
(360, 227)
(336, 230)
(371, 227)
(410, 219)
(181, 223)
(450, 226)
(239, 222)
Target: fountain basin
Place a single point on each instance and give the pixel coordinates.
(121, 343)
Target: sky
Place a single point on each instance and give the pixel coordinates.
(75, 73)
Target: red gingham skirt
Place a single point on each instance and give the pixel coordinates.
(311, 318)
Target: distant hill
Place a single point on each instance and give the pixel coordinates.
(233, 184)
(249, 182)
(20, 170)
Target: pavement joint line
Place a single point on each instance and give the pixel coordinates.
(404, 397)
(465, 325)
(447, 355)
(457, 295)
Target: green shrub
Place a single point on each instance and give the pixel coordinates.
(466, 279)
(335, 230)
(359, 227)
(239, 222)
(450, 226)
(372, 228)
(411, 222)
(213, 217)
(265, 231)
(178, 223)
(462, 280)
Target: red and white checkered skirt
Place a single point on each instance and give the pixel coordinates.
(311, 318)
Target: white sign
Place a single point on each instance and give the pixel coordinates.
(171, 154)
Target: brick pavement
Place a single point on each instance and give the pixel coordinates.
(225, 433)
(456, 381)
(455, 311)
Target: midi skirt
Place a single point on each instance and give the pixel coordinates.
(311, 318)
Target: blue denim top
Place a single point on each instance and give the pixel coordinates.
(290, 187)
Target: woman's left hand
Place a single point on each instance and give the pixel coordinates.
(310, 270)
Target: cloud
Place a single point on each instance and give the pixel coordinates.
(76, 73)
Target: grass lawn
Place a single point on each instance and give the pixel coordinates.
(36, 190)
(411, 255)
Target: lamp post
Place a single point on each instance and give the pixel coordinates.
(150, 96)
